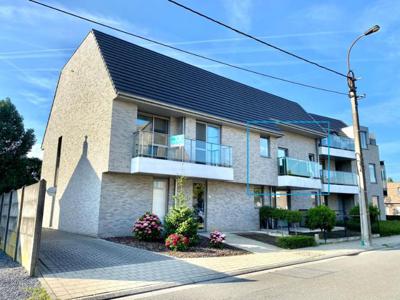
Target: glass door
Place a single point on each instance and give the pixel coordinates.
(199, 203)
(282, 153)
(208, 143)
(160, 193)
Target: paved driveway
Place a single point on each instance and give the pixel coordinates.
(76, 266)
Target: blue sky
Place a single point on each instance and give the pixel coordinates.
(37, 42)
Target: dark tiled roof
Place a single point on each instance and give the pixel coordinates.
(334, 124)
(139, 71)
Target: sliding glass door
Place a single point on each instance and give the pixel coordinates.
(208, 140)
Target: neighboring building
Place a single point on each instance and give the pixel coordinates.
(127, 121)
(392, 200)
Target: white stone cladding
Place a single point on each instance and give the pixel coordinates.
(230, 208)
(124, 198)
(81, 107)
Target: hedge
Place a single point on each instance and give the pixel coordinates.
(295, 241)
(387, 228)
(280, 214)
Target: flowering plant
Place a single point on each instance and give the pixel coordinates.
(148, 227)
(177, 242)
(217, 239)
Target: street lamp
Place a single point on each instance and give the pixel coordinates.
(363, 200)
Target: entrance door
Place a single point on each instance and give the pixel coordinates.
(199, 203)
(160, 193)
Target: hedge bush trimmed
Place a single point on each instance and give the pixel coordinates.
(387, 228)
(290, 216)
(373, 213)
(295, 241)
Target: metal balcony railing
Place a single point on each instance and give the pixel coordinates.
(338, 142)
(156, 145)
(297, 167)
(339, 177)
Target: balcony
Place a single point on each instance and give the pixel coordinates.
(339, 182)
(337, 146)
(298, 173)
(153, 154)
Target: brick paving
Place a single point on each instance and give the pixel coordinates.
(80, 267)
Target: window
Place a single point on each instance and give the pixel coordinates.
(375, 201)
(258, 196)
(372, 174)
(264, 146)
(311, 157)
(282, 152)
(398, 191)
(363, 138)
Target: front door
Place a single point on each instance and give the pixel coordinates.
(160, 193)
(200, 203)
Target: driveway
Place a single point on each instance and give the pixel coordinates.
(76, 266)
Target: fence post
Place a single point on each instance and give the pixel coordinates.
(1, 206)
(8, 222)
(19, 223)
(38, 226)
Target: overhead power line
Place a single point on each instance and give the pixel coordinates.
(185, 51)
(257, 39)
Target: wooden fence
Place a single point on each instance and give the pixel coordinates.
(21, 214)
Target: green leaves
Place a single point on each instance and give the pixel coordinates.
(321, 217)
(16, 169)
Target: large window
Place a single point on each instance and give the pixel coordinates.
(208, 139)
(258, 196)
(363, 137)
(372, 173)
(264, 146)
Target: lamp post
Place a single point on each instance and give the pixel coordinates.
(363, 200)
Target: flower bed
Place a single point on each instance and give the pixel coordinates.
(201, 249)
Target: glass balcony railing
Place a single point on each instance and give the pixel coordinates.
(338, 177)
(156, 145)
(296, 167)
(338, 142)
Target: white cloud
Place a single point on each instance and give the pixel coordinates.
(239, 13)
(34, 98)
(36, 151)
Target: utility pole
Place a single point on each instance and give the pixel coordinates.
(365, 221)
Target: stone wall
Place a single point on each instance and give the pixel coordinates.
(81, 115)
(124, 198)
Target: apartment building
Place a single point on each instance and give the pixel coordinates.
(127, 121)
(392, 200)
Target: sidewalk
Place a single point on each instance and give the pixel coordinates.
(78, 267)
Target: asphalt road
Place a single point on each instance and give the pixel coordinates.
(370, 275)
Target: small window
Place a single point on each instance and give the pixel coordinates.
(398, 191)
(258, 196)
(311, 157)
(372, 174)
(264, 146)
(363, 137)
(375, 201)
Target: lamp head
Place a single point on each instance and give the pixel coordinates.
(372, 30)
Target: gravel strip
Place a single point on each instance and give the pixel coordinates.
(14, 280)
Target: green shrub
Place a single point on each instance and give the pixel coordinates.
(355, 226)
(387, 228)
(295, 241)
(266, 212)
(321, 217)
(182, 220)
(373, 213)
(294, 216)
(38, 293)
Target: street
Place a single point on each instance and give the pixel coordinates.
(370, 275)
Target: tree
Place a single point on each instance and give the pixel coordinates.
(321, 217)
(390, 179)
(16, 169)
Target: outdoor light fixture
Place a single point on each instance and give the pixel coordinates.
(373, 29)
